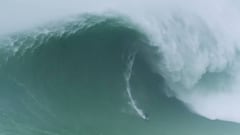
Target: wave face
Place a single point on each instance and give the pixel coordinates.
(67, 79)
(82, 70)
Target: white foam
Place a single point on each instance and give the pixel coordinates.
(199, 56)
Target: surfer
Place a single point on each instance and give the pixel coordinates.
(146, 117)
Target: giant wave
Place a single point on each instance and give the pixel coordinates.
(194, 48)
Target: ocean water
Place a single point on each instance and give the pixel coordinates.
(117, 68)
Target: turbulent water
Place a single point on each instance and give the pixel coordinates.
(114, 68)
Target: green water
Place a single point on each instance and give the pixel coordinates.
(74, 85)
